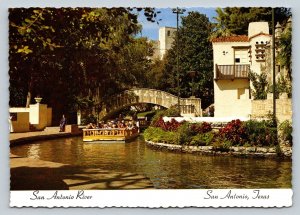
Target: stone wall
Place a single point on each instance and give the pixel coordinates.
(258, 152)
(21, 122)
(261, 108)
(39, 116)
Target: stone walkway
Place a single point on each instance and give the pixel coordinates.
(47, 131)
(34, 174)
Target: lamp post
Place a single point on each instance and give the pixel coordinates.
(178, 11)
(192, 74)
(273, 65)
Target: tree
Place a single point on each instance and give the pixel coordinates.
(285, 54)
(260, 85)
(195, 55)
(235, 20)
(71, 56)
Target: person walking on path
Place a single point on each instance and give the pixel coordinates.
(62, 124)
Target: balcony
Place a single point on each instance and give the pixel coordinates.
(231, 72)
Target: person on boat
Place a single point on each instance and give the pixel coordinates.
(120, 118)
(62, 124)
(91, 126)
(121, 124)
(101, 124)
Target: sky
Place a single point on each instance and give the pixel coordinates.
(168, 18)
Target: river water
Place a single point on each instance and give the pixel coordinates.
(165, 169)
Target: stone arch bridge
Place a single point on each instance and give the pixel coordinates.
(189, 106)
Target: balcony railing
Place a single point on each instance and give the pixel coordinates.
(232, 71)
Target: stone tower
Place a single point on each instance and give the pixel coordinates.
(166, 38)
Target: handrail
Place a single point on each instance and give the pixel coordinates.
(113, 132)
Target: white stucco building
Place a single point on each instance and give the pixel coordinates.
(234, 57)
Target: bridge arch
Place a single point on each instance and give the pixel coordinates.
(136, 96)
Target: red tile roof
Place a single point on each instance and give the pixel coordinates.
(237, 38)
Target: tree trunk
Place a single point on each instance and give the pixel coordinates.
(29, 94)
(28, 99)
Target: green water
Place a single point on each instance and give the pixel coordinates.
(165, 169)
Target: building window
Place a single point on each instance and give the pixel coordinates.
(241, 56)
(169, 33)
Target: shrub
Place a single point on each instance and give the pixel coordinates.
(286, 130)
(173, 111)
(201, 128)
(159, 114)
(235, 132)
(222, 145)
(261, 133)
(172, 125)
(184, 133)
(202, 139)
(159, 135)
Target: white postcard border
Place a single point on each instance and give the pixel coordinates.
(154, 198)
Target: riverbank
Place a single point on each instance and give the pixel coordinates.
(47, 134)
(255, 152)
(35, 174)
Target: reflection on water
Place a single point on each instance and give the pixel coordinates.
(165, 169)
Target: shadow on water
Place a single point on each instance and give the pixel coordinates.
(73, 177)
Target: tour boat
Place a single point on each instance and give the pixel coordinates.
(110, 134)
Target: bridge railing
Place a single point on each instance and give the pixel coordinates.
(187, 109)
(153, 96)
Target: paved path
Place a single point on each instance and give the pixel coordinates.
(34, 174)
(51, 131)
(48, 133)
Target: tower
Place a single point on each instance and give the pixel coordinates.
(166, 39)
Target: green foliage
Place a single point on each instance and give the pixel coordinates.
(285, 131)
(222, 145)
(261, 133)
(235, 133)
(204, 139)
(285, 54)
(171, 112)
(160, 136)
(157, 116)
(184, 133)
(69, 55)
(195, 54)
(235, 20)
(260, 85)
(89, 119)
(283, 85)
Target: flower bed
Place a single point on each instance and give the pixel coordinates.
(234, 134)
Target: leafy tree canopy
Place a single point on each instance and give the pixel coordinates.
(235, 20)
(74, 57)
(195, 54)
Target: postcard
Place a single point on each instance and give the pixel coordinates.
(150, 107)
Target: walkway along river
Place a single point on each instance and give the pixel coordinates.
(164, 168)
